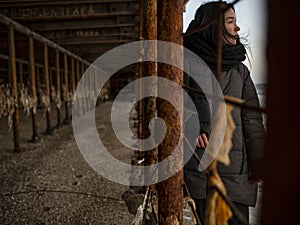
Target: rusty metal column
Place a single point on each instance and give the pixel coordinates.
(58, 106)
(33, 89)
(170, 191)
(73, 75)
(47, 83)
(150, 69)
(66, 91)
(77, 111)
(72, 81)
(13, 79)
(83, 106)
(21, 73)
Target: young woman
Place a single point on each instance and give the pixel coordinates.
(235, 81)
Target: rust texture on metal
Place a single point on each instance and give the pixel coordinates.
(33, 88)
(13, 79)
(66, 87)
(170, 191)
(150, 69)
(57, 78)
(47, 86)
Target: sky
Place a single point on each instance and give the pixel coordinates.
(252, 19)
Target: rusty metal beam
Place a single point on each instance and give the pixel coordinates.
(47, 84)
(150, 69)
(33, 89)
(58, 90)
(13, 79)
(66, 81)
(170, 191)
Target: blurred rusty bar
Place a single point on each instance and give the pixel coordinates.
(83, 106)
(140, 110)
(73, 82)
(21, 73)
(13, 79)
(33, 89)
(77, 111)
(280, 167)
(170, 191)
(66, 90)
(150, 69)
(58, 94)
(77, 72)
(47, 84)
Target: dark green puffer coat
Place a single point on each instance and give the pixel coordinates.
(248, 137)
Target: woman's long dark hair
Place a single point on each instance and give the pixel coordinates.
(208, 13)
(205, 14)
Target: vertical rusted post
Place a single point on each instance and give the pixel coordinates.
(170, 191)
(21, 73)
(66, 91)
(33, 89)
(77, 111)
(140, 105)
(150, 69)
(77, 72)
(47, 84)
(57, 70)
(73, 75)
(83, 107)
(37, 85)
(13, 80)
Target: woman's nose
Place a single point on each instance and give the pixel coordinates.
(237, 28)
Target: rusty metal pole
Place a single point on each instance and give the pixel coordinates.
(140, 104)
(21, 73)
(150, 69)
(72, 79)
(77, 82)
(33, 89)
(73, 84)
(66, 91)
(47, 84)
(83, 107)
(77, 72)
(170, 191)
(57, 70)
(13, 79)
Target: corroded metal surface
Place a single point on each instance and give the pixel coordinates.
(170, 192)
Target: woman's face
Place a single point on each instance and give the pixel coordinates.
(231, 27)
